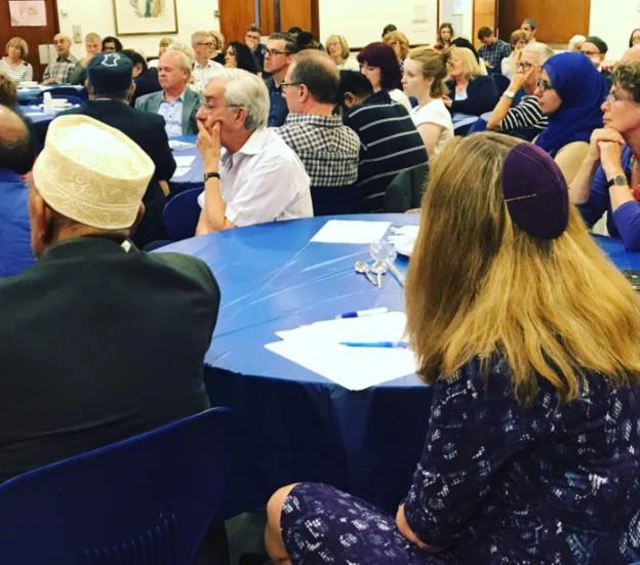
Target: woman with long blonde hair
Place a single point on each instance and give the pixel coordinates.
(529, 337)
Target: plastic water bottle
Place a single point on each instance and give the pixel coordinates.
(47, 103)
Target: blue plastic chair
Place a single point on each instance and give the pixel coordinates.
(181, 214)
(145, 500)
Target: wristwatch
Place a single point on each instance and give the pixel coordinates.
(509, 93)
(208, 176)
(618, 180)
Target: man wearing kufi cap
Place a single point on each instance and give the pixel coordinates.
(596, 49)
(110, 85)
(98, 341)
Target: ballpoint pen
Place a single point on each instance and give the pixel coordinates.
(385, 344)
(361, 313)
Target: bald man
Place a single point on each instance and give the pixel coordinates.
(632, 54)
(16, 159)
(59, 71)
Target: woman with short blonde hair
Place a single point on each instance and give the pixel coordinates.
(14, 63)
(338, 49)
(399, 42)
(528, 337)
(473, 92)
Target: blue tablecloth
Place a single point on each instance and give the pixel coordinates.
(33, 95)
(193, 177)
(37, 115)
(292, 424)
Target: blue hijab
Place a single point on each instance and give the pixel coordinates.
(582, 90)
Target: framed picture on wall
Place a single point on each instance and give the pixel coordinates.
(145, 17)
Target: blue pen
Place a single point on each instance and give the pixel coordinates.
(361, 313)
(388, 344)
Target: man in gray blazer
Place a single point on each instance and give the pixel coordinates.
(177, 103)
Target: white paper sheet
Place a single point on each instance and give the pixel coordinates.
(180, 172)
(317, 348)
(184, 160)
(345, 231)
(354, 368)
(177, 145)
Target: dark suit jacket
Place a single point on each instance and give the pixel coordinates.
(97, 344)
(149, 133)
(151, 103)
(482, 96)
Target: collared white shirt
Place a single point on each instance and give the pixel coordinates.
(172, 114)
(264, 181)
(202, 74)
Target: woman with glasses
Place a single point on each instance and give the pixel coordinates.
(528, 337)
(471, 92)
(609, 179)
(525, 119)
(238, 56)
(509, 64)
(570, 91)
(379, 63)
(338, 49)
(399, 42)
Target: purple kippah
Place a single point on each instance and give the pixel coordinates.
(535, 191)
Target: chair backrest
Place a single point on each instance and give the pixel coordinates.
(181, 214)
(335, 200)
(147, 499)
(405, 190)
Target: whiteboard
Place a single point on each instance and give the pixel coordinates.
(361, 22)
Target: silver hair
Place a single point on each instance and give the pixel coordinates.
(542, 50)
(185, 61)
(199, 36)
(247, 90)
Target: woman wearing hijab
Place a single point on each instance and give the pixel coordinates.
(570, 92)
(531, 454)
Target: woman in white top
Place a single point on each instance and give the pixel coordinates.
(425, 71)
(14, 64)
(378, 62)
(338, 50)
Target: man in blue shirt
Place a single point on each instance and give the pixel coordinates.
(16, 158)
(278, 57)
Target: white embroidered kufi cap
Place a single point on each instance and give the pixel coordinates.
(92, 173)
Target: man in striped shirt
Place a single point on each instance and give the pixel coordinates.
(389, 142)
(525, 120)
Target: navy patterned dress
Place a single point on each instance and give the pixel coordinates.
(497, 483)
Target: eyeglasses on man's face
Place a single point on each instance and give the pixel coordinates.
(208, 104)
(286, 85)
(274, 52)
(206, 43)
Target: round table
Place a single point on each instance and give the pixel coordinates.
(290, 423)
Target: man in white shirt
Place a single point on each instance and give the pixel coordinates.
(204, 69)
(251, 174)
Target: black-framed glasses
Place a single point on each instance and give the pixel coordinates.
(274, 52)
(544, 85)
(286, 85)
(526, 66)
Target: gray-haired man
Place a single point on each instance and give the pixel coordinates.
(251, 175)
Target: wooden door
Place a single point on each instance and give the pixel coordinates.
(34, 36)
(235, 17)
(557, 21)
(484, 14)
